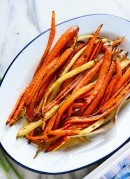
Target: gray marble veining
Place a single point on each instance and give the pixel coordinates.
(21, 21)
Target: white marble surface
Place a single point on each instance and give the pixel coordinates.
(22, 20)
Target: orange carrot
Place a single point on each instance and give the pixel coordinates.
(98, 50)
(30, 108)
(111, 85)
(117, 101)
(63, 40)
(46, 74)
(70, 100)
(75, 126)
(43, 89)
(50, 41)
(88, 75)
(11, 118)
(102, 75)
(86, 54)
(94, 51)
(49, 125)
(96, 101)
(125, 77)
(57, 144)
(118, 96)
(63, 93)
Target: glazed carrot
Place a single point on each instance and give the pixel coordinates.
(60, 132)
(43, 89)
(56, 145)
(102, 75)
(12, 118)
(50, 124)
(50, 41)
(96, 101)
(67, 76)
(98, 50)
(117, 42)
(85, 57)
(118, 96)
(125, 77)
(35, 138)
(30, 108)
(67, 68)
(32, 139)
(63, 40)
(31, 89)
(94, 50)
(77, 105)
(75, 126)
(69, 112)
(112, 83)
(30, 112)
(88, 75)
(63, 93)
(46, 74)
(70, 100)
(84, 96)
(70, 109)
(117, 101)
(40, 98)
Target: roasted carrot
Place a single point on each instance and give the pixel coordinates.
(98, 50)
(88, 75)
(50, 124)
(118, 96)
(31, 89)
(117, 42)
(63, 93)
(50, 41)
(96, 101)
(70, 100)
(77, 105)
(66, 69)
(102, 75)
(60, 132)
(112, 83)
(69, 112)
(56, 145)
(68, 75)
(125, 77)
(43, 89)
(30, 108)
(85, 57)
(63, 40)
(46, 74)
(117, 101)
(40, 98)
(94, 50)
(76, 126)
(12, 117)
(114, 43)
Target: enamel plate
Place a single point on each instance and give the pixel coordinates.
(20, 73)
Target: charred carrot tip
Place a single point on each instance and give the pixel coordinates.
(53, 13)
(46, 151)
(77, 28)
(11, 124)
(7, 123)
